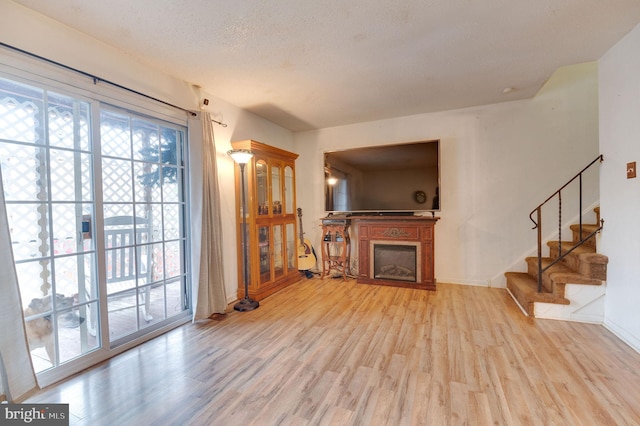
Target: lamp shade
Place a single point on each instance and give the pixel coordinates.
(240, 156)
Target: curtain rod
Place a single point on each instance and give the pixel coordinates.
(97, 80)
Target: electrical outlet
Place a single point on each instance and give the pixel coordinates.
(631, 170)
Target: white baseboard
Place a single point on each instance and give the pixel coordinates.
(477, 283)
(622, 334)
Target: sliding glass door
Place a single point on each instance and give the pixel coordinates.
(96, 203)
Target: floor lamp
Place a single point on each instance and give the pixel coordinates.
(242, 157)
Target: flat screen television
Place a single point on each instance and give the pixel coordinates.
(399, 178)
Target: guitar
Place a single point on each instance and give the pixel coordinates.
(306, 254)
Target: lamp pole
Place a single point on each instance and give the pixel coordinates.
(242, 157)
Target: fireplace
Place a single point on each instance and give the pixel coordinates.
(396, 261)
(395, 251)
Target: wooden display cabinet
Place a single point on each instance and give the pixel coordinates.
(270, 220)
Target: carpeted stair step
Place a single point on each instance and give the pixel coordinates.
(587, 229)
(557, 276)
(584, 260)
(524, 289)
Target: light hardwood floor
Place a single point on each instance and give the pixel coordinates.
(333, 352)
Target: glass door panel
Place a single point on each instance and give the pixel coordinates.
(278, 250)
(288, 190)
(47, 165)
(143, 187)
(262, 186)
(276, 190)
(290, 247)
(264, 251)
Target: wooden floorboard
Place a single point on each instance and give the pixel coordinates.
(332, 352)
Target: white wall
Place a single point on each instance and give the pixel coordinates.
(620, 199)
(498, 163)
(29, 31)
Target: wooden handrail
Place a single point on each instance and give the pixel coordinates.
(538, 223)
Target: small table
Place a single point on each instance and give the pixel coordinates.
(336, 247)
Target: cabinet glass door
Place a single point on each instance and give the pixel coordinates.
(262, 184)
(290, 247)
(288, 190)
(278, 250)
(276, 190)
(263, 253)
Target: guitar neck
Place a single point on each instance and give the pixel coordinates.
(301, 231)
(301, 237)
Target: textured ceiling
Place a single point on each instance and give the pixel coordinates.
(314, 64)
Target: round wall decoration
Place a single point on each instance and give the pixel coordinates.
(420, 197)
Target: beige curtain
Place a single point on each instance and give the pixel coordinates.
(16, 371)
(211, 297)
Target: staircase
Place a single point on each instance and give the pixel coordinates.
(572, 289)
